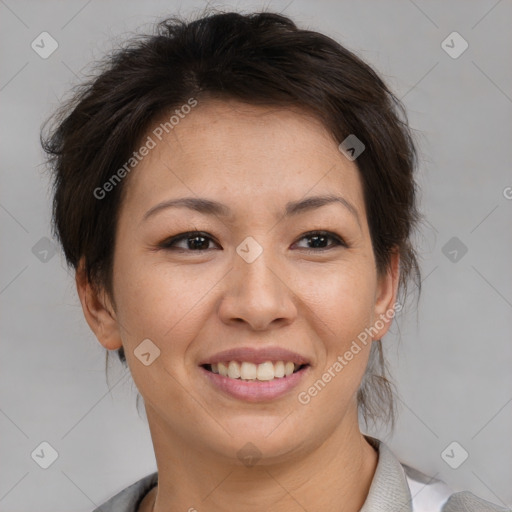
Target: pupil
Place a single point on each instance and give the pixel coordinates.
(316, 238)
(198, 245)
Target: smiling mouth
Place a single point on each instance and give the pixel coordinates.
(246, 371)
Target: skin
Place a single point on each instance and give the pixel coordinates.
(193, 304)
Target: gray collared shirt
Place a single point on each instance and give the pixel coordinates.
(395, 487)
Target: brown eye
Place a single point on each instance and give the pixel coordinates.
(319, 240)
(195, 241)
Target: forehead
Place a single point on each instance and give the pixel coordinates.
(243, 155)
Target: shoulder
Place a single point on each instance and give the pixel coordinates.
(395, 482)
(467, 502)
(129, 499)
(432, 495)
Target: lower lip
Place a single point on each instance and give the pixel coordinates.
(255, 390)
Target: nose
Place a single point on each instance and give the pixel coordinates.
(257, 294)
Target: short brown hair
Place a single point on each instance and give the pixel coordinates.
(261, 59)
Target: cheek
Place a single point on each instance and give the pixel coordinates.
(154, 299)
(343, 305)
(343, 309)
(162, 306)
(342, 297)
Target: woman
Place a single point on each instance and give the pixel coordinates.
(237, 197)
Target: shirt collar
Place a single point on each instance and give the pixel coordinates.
(389, 489)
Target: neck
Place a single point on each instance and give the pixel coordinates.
(335, 476)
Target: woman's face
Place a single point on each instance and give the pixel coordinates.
(253, 279)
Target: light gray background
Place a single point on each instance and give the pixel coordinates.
(453, 361)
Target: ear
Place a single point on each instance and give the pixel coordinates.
(98, 311)
(385, 298)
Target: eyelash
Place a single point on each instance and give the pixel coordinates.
(167, 244)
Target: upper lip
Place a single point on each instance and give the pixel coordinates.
(255, 355)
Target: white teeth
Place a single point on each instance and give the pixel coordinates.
(279, 369)
(233, 370)
(250, 371)
(265, 371)
(223, 369)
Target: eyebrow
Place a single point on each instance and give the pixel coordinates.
(210, 207)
